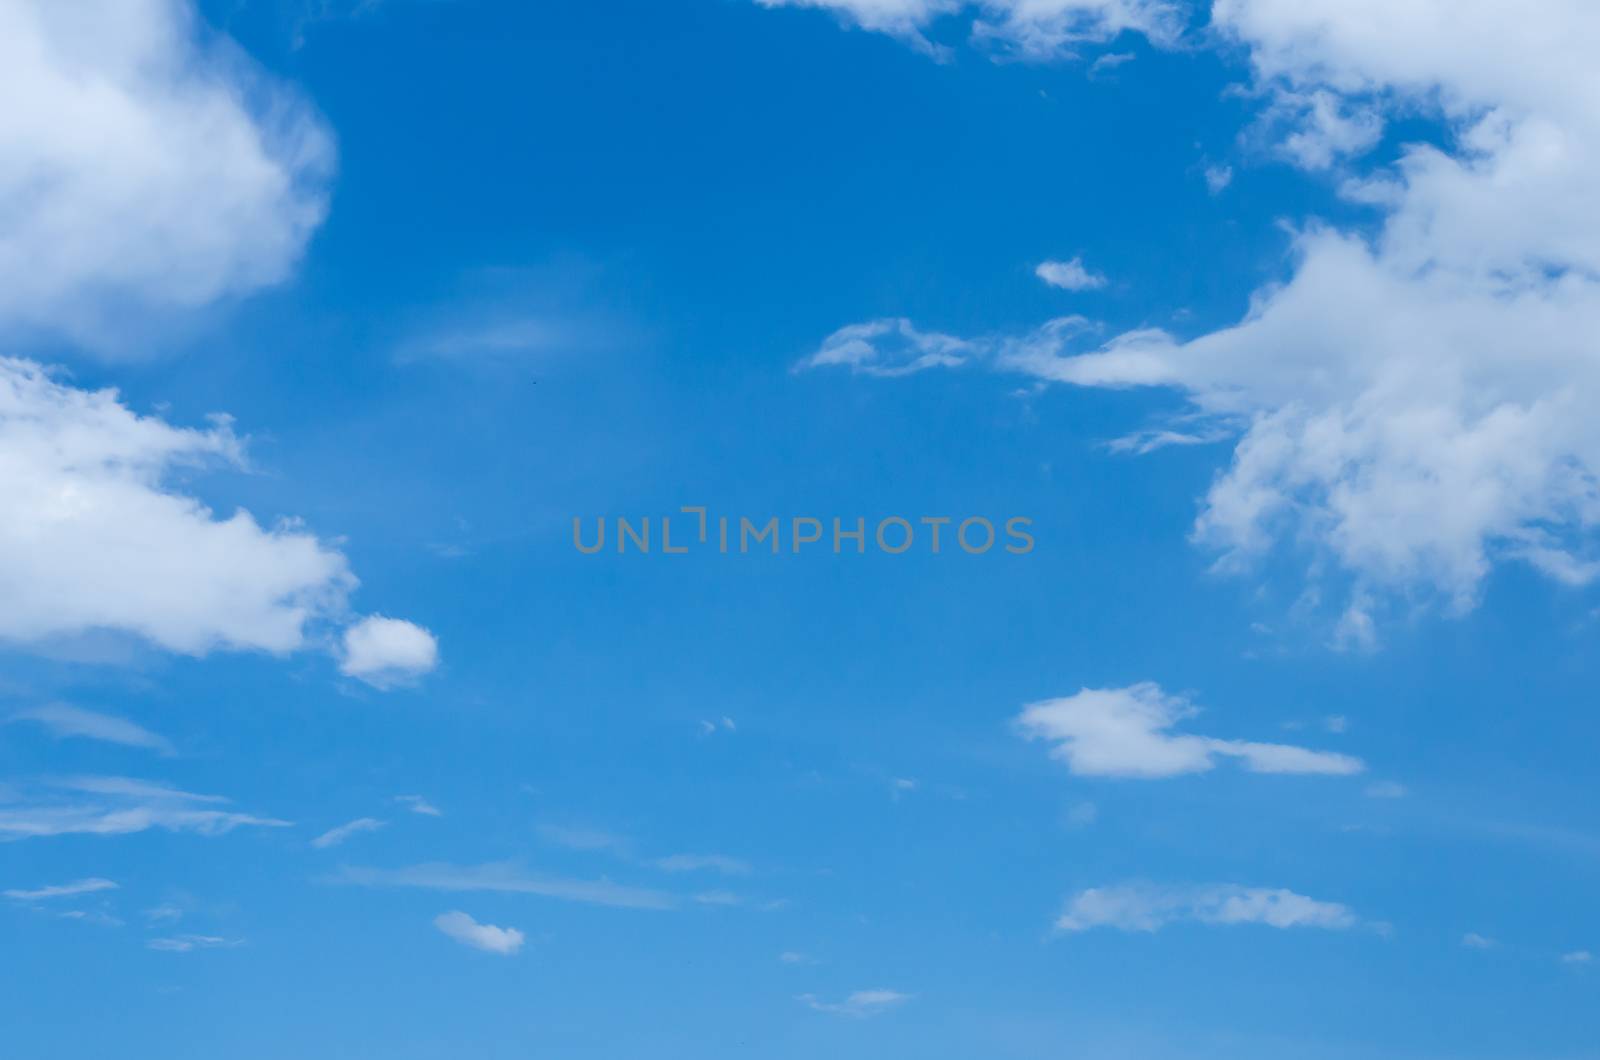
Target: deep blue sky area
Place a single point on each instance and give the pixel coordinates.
(574, 258)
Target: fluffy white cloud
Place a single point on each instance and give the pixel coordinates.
(385, 652)
(90, 538)
(93, 537)
(1028, 29)
(859, 1005)
(1413, 405)
(1069, 275)
(118, 806)
(145, 163)
(334, 836)
(468, 932)
(64, 720)
(1138, 907)
(63, 890)
(1125, 732)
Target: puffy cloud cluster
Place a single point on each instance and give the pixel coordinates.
(153, 169)
(1416, 403)
(1028, 29)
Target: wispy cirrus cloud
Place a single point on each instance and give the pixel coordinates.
(1146, 908)
(190, 943)
(65, 721)
(89, 885)
(334, 836)
(505, 878)
(106, 805)
(859, 1005)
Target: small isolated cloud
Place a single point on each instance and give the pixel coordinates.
(1577, 957)
(387, 652)
(1386, 789)
(334, 836)
(63, 890)
(795, 957)
(1218, 178)
(702, 863)
(859, 1005)
(887, 348)
(1140, 907)
(486, 937)
(188, 943)
(1082, 815)
(1474, 941)
(577, 837)
(65, 721)
(1069, 275)
(418, 804)
(724, 724)
(96, 805)
(1109, 61)
(1125, 732)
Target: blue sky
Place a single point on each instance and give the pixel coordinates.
(323, 322)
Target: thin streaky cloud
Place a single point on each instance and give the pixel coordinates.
(418, 804)
(89, 885)
(505, 878)
(65, 721)
(334, 836)
(703, 863)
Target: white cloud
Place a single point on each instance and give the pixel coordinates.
(1036, 30)
(91, 538)
(118, 806)
(418, 804)
(890, 347)
(154, 166)
(487, 937)
(703, 862)
(1386, 789)
(1069, 275)
(65, 721)
(334, 836)
(1414, 405)
(188, 943)
(1577, 957)
(859, 1005)
(1218, 178)
(508, 879)
(63, 890)
(385, 652)
(1139, 907)
(1124, 732)
(1474, 941)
